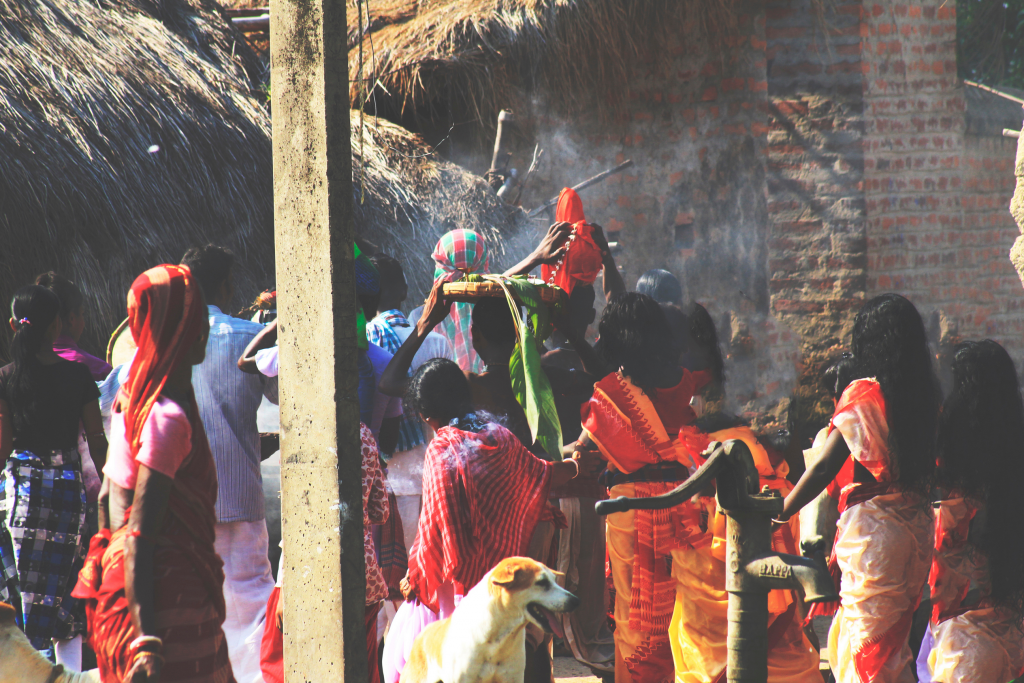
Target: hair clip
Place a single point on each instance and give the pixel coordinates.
(25, 321)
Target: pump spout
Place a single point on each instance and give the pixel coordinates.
(779, 570)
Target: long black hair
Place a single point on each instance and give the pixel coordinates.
(705, 351)
(34, 309)
(890, 345)
(636, 338)
(981, 449)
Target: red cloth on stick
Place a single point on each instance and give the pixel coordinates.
(483, 494)
(583, 260)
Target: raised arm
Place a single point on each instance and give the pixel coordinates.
(818, 475)
(611, 280)
(266, 338)
(548, 251)
(395, 378)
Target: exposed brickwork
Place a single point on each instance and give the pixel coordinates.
(877, 183)
(792, 169)
(817, 247)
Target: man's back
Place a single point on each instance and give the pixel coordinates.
(228, 400)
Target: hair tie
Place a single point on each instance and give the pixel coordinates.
(25, 321)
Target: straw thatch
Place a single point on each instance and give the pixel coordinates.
(466, 59)
(406, 198)
(87, 89)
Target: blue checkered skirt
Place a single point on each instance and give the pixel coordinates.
(42, 542)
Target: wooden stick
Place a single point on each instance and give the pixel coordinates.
(585, 184)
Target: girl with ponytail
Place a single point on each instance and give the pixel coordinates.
(43, 402)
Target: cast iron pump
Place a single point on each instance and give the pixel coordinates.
(752, 568)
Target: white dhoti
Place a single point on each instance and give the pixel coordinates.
(247, 586)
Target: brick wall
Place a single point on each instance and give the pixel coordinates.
(817, 248)
(819, 154)
(882, 178)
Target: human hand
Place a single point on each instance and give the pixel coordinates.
(589, 460)
(554, 244)
(146, 668)
(436, 308)
(405, 587)
(279, 612)
(601, 240)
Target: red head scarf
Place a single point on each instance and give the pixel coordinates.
(582, 261)
(166, 316)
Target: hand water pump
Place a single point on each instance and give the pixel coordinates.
(752, 568)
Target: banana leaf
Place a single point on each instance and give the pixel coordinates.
(529, 381)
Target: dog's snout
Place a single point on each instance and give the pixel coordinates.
(572, 603)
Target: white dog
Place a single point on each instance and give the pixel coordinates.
(21, 663)
(484, 641)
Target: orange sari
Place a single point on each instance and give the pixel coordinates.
(637, 433)
(699, 627)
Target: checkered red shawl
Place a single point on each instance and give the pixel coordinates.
(483, 494)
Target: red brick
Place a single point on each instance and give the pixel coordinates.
(709, 94)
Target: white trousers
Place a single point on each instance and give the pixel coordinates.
(247, 586)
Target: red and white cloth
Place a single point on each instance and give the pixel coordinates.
(884, 544)
(483, 494)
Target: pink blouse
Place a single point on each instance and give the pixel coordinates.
(166, 442)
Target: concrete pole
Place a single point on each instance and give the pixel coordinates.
(321, 505)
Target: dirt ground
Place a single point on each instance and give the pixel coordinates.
(568, 670)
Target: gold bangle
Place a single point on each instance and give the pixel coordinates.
(147, 653)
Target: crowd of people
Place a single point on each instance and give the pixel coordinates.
(133, 507)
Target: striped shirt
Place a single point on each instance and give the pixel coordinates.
(228, 400)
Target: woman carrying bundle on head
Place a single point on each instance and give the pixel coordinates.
(699, 627)
(977, 576)
(885, 425)
(633, 420)
(43, 399)
(152, 582)
(483, 495)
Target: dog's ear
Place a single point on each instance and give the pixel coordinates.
(558, 574)
(7, 615)
(512, 575)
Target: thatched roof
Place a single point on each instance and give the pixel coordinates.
(472, 57)
(87, 89)
(406, 198)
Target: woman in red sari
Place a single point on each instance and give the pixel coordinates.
(152, 580)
